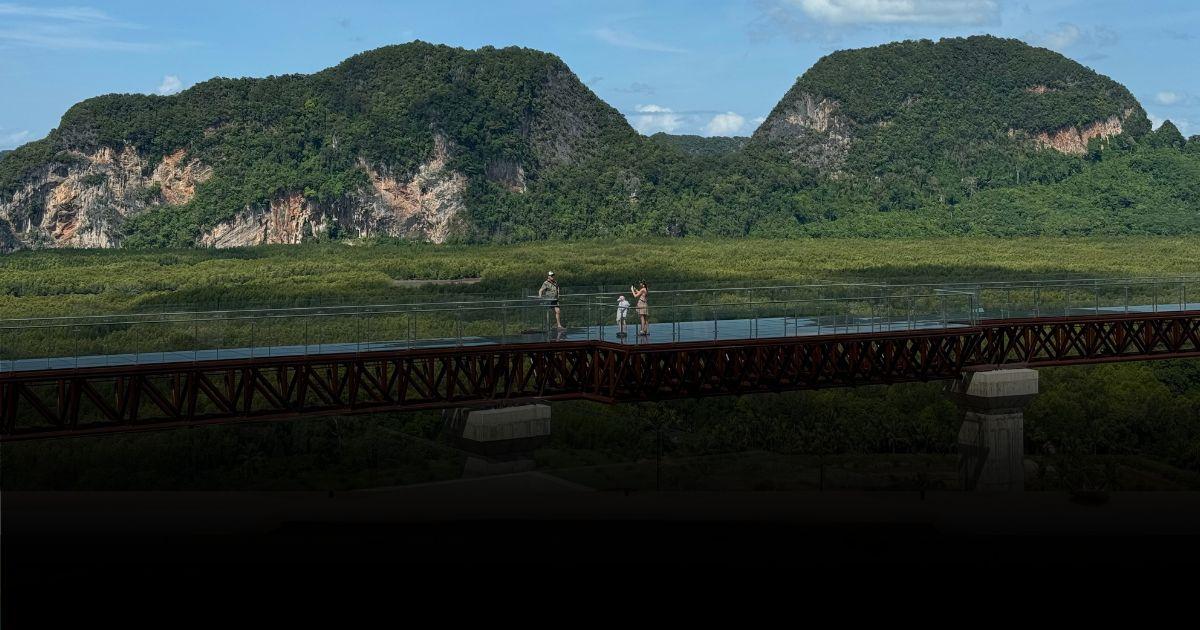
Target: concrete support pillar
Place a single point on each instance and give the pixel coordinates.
(503, 439)
(992, 437)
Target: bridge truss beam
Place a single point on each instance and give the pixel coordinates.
(57, 403)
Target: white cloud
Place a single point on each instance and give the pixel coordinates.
(1058, 39)
(1066, 35)
(637, 87)
(829, 21)
(1167, 98)
(14, 139)
(726, 124)
(58, 38)
(69, 14)
(1184, 125)
(67, 28)
(628, 40)
(971, 12)
(1103, 37)
(170, 85)
(654, 118)
(1173, 98)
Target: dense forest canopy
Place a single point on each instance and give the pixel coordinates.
(939, 138)
(709, 146)
(995, 84)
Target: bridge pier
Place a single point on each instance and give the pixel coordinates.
(501, 439)
(991, 440)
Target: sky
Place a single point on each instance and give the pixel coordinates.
(697, 67)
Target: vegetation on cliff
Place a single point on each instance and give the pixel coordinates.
(708, 146)
(308, 133)
(935, 122)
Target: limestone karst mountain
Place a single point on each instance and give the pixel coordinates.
(386, 143)
(429, 142)
(945, 105)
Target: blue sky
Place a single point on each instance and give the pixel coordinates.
(700, 66)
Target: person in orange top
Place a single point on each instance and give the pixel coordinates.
(643, 307)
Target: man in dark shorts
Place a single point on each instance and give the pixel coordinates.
(549, 291)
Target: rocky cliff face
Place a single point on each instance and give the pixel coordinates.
(810, 130)
(287, 220)
(1074, 140)
(427, 205)
(568, 120)
(81, 200)
(177, 180)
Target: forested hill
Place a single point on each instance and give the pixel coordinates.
(977, 107)
(420, 141)
(392, 141)
(906, 134)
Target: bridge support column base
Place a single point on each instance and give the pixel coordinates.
(991, 440)
(504, 430)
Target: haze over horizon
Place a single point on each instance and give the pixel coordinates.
(709, 68)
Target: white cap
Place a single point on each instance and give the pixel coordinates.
(549, 273)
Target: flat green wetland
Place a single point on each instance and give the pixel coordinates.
(87, 282)
(1084, 417)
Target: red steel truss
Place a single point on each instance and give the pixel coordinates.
(53, 403)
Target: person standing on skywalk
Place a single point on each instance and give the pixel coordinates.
(643, 307)
(550, 292)
(622, 311)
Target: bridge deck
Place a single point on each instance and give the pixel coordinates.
(660, 333)
(666, 332)
(678, 360)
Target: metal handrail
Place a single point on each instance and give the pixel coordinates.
(569, 298)
(880, 306)
(528, 303)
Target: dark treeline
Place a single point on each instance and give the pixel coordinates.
(1120, 426)
(1121, 187)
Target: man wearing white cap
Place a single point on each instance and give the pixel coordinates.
(549, 291)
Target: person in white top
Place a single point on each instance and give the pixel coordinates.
(622, 311)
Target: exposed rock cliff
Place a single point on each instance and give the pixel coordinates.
(81, 199)
(82, 202)
(809, 129)
(288, 220)
(426, 206)
(429, 206)
(1074, 140)
(178, 184)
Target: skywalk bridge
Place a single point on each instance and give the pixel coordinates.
(129, 372)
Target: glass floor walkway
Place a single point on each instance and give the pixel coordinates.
(660, 333)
